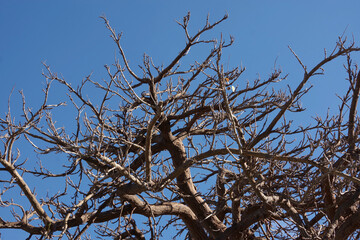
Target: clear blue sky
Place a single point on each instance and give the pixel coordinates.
(70, 36)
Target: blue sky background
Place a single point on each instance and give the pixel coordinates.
(72, 39)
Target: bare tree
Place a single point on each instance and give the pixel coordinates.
(181, 148)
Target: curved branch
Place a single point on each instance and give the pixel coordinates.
(297, 91)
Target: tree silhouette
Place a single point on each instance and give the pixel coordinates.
(187, 148)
